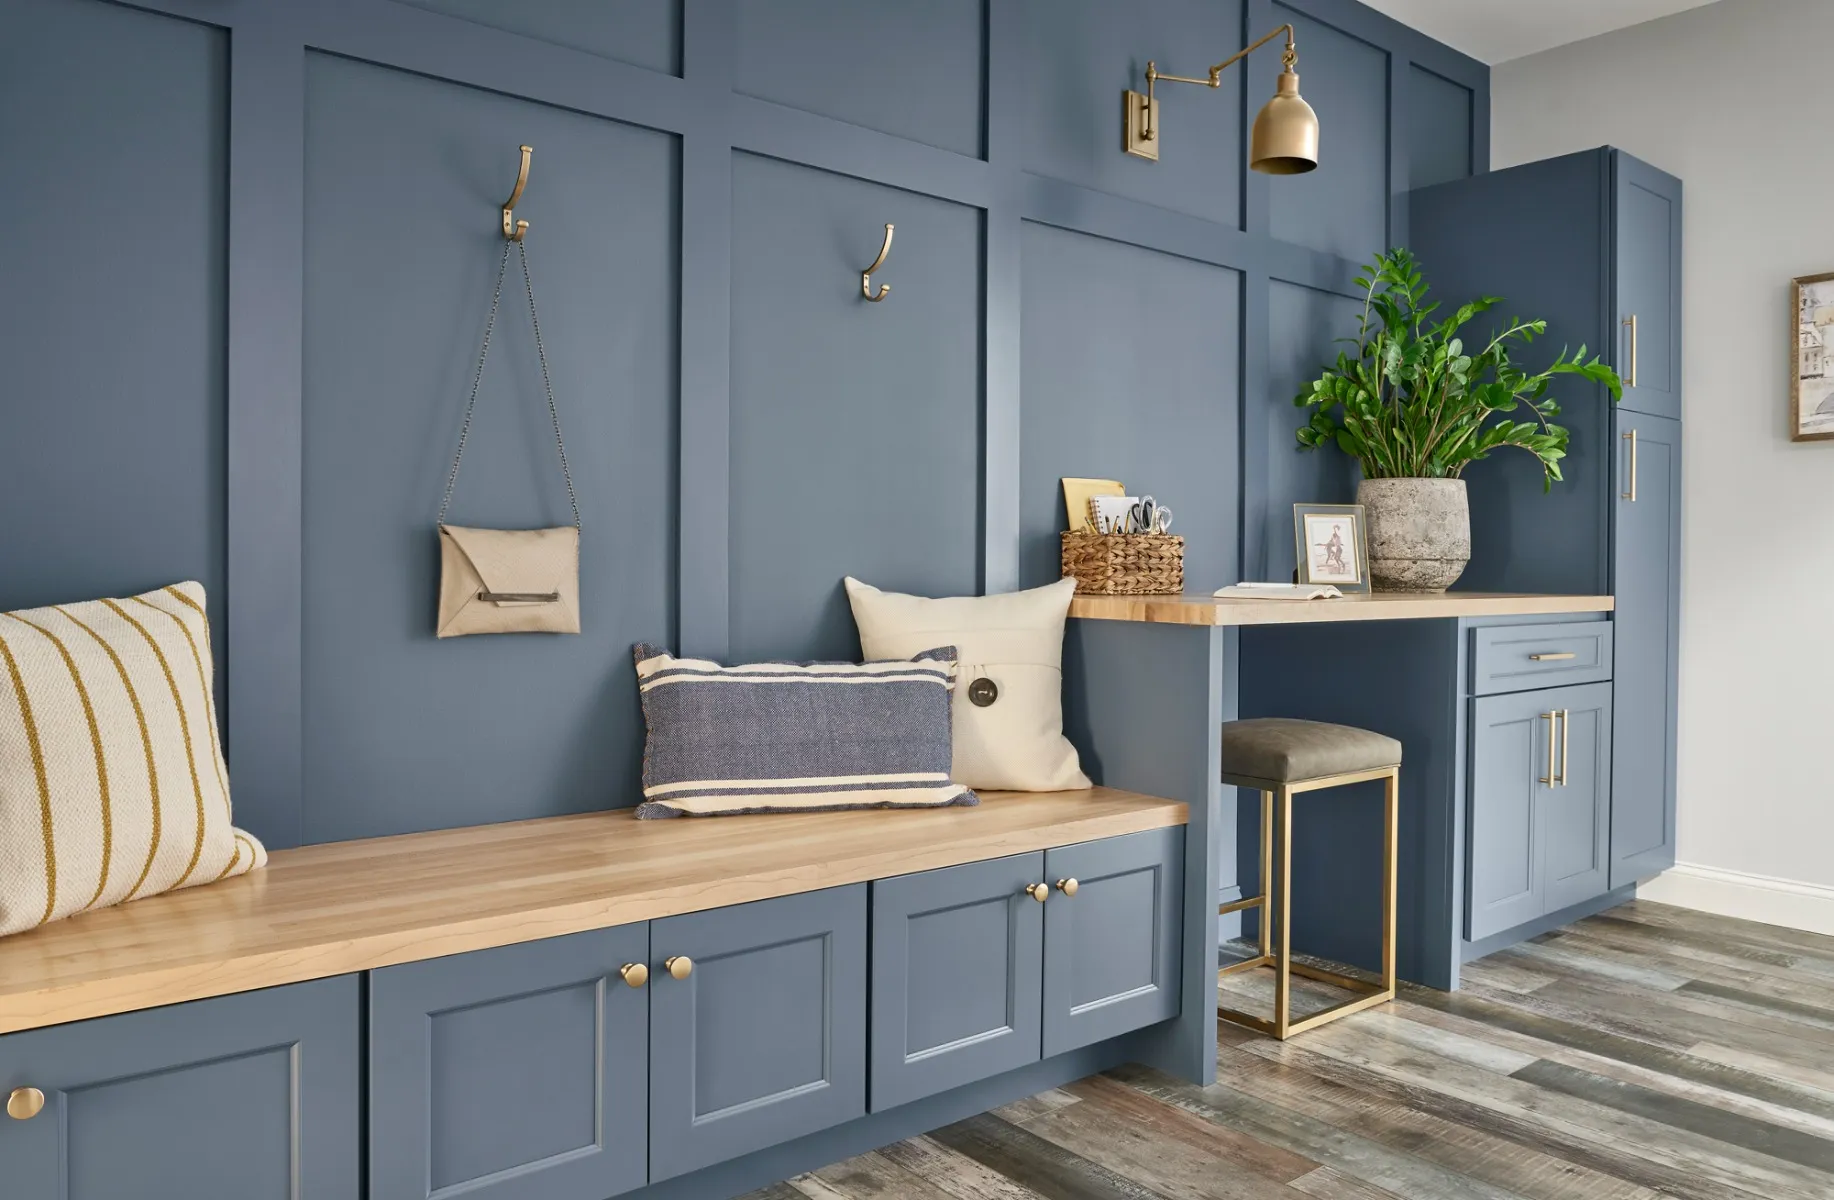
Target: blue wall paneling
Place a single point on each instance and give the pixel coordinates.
(341, 283)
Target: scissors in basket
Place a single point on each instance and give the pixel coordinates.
(1147, 516)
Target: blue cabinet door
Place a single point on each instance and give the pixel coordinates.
(1646, 230)
(957, 976)
(250, 1097)
(1646, 579)
(517, 1073)
(1111, 935)
(765, 1038)
(1512, 749)
(1576, 808)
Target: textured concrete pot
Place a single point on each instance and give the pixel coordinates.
(1419, 533)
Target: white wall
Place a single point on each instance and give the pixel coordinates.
(1737, 99)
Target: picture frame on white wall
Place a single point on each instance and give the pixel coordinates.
(1811, 378)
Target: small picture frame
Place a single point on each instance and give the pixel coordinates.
(1811, 371)
(1331, 545)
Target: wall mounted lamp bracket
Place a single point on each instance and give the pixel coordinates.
(1285, 137)
(514, 229)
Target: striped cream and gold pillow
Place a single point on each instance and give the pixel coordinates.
(112, 779)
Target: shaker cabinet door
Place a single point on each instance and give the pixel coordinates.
(1575, 860)
(1646, 577)
(247, 1097)
(957, 976)
(1511, 753)
(1647, 231)
(1111, 937)
(763, 1040)
(516, 1073)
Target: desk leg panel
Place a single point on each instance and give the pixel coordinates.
(1144, 704)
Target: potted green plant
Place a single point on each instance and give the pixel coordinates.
(1415, 405)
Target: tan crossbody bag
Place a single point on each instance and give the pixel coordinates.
(508, 580)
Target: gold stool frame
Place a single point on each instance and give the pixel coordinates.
(1274, 794)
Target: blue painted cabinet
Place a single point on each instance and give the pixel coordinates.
(1646, 283)
(518, 1073)
(973, 975)
(957, 976)
(764, 1040)
(1111, 935)
(1592, 243)
(1540, 804)
(248, 1097)
(1646, 573)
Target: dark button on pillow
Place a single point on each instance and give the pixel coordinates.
(1285, 750)
(983, 692)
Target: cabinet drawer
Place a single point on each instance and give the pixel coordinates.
(248, 1097)
(1516, 658)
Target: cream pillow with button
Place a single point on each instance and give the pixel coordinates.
(1008, 706)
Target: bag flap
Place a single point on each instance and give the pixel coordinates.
(519, 560)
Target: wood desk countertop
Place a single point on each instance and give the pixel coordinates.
(354, 906)
(1200, 609)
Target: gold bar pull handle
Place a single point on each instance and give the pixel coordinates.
(1566, 727)
(1550, 778)
(1631, 380)
(1630, 493)
(1551, 656)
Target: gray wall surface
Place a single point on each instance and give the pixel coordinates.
(240, 333)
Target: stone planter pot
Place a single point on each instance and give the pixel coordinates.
(1419, 533)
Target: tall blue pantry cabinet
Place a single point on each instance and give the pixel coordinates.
(1592, 243)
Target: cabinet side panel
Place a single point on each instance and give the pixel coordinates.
(1534, 236)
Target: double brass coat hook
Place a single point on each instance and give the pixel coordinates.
(513, 229)
(866, 275)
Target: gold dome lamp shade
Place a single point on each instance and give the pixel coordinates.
(1284, 140)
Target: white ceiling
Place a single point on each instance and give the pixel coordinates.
(1498, 30)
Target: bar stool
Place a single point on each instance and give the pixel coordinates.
(1280, 758)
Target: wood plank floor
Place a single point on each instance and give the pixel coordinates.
(1647, 1052)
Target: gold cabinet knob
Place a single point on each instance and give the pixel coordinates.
(635, 974)
(25, 1103)
(680, 967)
(1067, 886)
(1039, 892)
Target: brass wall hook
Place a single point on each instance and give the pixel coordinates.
(866, 275)
(513, 229)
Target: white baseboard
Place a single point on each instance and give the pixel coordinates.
(1786, 902)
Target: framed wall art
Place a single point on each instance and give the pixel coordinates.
(1811, 378)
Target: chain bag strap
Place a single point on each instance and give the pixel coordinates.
(477, 378)
(509, 580)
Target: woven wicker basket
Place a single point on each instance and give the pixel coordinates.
(1124, 564)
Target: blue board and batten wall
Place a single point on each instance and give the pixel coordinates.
(256, 254)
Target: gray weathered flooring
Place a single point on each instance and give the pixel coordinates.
(1648, 1052)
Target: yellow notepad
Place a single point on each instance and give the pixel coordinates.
(1076, 494)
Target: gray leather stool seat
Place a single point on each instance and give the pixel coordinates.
(1284, 750)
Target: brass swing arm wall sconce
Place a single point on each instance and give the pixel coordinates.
(1285, 137)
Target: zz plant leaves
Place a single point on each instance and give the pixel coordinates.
(1416, 400)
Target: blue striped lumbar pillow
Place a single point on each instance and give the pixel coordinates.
(796, 737)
